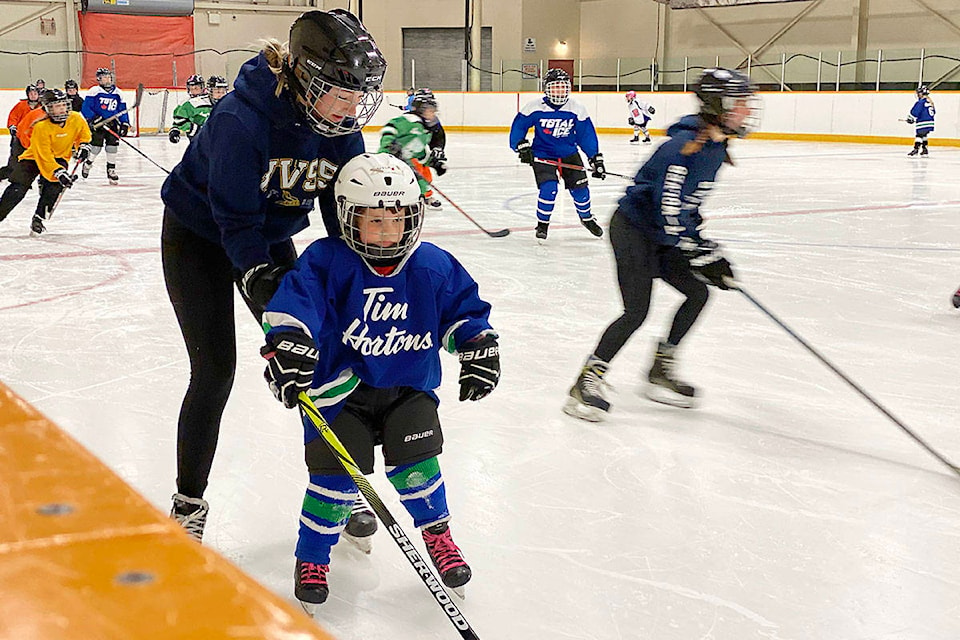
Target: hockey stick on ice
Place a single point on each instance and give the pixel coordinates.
(954, 468)
(396, 532)
(493, 234)
(56, 202)
(121, 139)
(561, 165)
(136, 103)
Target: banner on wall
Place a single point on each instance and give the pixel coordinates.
(140, 7)
(140, 49)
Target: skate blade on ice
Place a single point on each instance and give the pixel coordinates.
(309, 608)
(365, 543)
(461, 591)
(666, 396)
(577, 409)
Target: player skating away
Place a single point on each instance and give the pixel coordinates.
(921, 116)
(52, 141)
(246, 184)
(102, 101)
(409, 137)
(655, 233)
(19, 110)
(190, 116)
(358, 325)
(638, 115)
(72, 89)
(560, 125)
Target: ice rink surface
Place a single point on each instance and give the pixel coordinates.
(783, 507)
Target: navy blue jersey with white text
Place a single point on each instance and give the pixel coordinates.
(557, 131)
(385, 331)
(923, 112)
(100, 103)
(665, 200)
(251, 175)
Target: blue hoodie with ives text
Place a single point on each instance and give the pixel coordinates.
(249, 179)
(664, 201)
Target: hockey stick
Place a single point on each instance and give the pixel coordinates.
(493, 234)
(954, 468)
(396, 532)
(561, 165)
(136, 103)
(56, 202)
(121, 139)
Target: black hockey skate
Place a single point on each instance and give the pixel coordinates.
(635, 139)
(360, 527)
(915, 150)
(85, 169)
(647, 139)
(923, 150)
(587, 400)
(542, 231)
(663, 386)
(311, 587)
(592, 226)
(36, 226)
(446, 557)
(191, 514)
(956, 298)
(112, 174)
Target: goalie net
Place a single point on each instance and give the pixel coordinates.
(155, 115)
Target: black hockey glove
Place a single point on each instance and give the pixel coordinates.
(708, 265)
(438, 160)
(651, 110)
(910, 120)
(123, 129)
(525, 151)
(479, 367)
(631, 121)
(174, 135)
(291, 358)
(13, 136)
(596, 163)
(261, 282)
(64, 178)
(83, 152)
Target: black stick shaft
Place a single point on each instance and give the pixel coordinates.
(148, 158)
(393, 528)
(492, 234)
(854, 385)
(562, 165)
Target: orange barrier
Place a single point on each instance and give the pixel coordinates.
(82, 555)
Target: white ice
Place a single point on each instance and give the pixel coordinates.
(784, 507)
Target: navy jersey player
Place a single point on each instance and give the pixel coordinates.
(358, 325)
(102, 101)
(921, 116)
(246, 184)
(655, 233)
(561, 125)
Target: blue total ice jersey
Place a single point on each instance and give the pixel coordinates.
(251, 176)
(665, 199)
(102, 103)
(558, 131)
(923, 112)
(383, 330)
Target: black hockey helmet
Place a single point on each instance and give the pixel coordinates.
(31, 87)
(50, 98)
(923, 91)
(217, 87)
(422, 100)
(557, 86)
(71, 84)
(102, 73)
(331, 52)
(196, 81)
(719, 90)
(40, 83)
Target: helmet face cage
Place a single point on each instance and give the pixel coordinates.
(71, 84)
(40, 84)
(422, 100)
(325, 103)
(630, 96)
(195, 82)
(217, 87)
(923, 91)
(105, 78)
(32, 89)
(56, 104)
(557, 86)
(379, 181)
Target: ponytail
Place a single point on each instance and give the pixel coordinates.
(277, 53)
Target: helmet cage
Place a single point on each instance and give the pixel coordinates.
(558, 91)
(50, 99)
(630, 95)
(323, 101)
(102, 73)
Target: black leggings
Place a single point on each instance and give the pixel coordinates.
(639, 261)
(200, 280)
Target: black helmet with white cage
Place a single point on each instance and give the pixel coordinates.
(557, 86)
(378, 181)
(331, 52)
(105, 79)
(56, 104)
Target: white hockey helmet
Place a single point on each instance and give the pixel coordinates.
(378, 181)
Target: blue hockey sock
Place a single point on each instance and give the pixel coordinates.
(546, 200)
(326, 509)
(581, 198)
(421, 490)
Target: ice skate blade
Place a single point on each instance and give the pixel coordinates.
(577, 409)
(310, 608)
(461, 591)
(666, 396)
(364, 544)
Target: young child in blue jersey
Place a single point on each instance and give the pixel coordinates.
(102, 101)
(921, 116)
(358, 325)
(655, 233)
(245, 186)
(561, 125)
